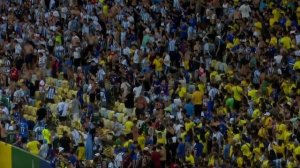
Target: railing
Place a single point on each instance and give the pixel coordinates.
(14, 157)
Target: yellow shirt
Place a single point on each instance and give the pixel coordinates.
(197, 98)
(158, 64)
(236, 41)
(256, 114)
(268, 123)
(189, 125)
(273, 41)
(272, 21)
(262, 132)
(276, 13)
(211, 161)
(201, 87)
(279, 149)
(81, 153)
(105, 10)
(182, 91)
(162, 141)
(186, 64)
(253, 94)
(298, 14)
(141, 141)
(240, 162)
(128, 126)
(286, 42)
(182, 135)
(290, 147)
(33, 147)
(265, 164)
(228, 87)
(258, 25)
(237, 138)
(297, 151)
(190, 159)
(257, 153)
(127, 143)
(47, 135)
(246, 150)
(297, 65)
(237, 93)
(214, 75)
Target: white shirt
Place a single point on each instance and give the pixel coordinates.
(76, 53)
(5, 111)
(137, 91)
(42, 86)
(100, 74)
(125, 86)
(245, 11)
(64, 107)
(212, 93)
(18, 49)
(136, 57)
(42, 61)
(76, 136)
(118, 160)
(167, 60)
(278, 59)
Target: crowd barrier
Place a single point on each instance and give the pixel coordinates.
(14, 157)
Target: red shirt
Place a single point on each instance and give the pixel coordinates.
(155, 156)
(174, 165)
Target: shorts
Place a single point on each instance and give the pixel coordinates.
(62, 118)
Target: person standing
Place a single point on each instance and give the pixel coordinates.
(155, 156)
(197, 100)
(65, 142)
(75, 107)
(33, 146)
(23, 131)
(62, 109)
(163, 155)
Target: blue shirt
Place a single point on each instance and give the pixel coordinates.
(73, 159)
(189, 107)
(24, 129)
(198, 148)
(181, 150)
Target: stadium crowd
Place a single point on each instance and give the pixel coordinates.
(152, 83)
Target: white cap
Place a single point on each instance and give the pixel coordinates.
(267, 114)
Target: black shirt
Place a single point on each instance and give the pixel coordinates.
(129, 103)
(41, 114)
(65, 143)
